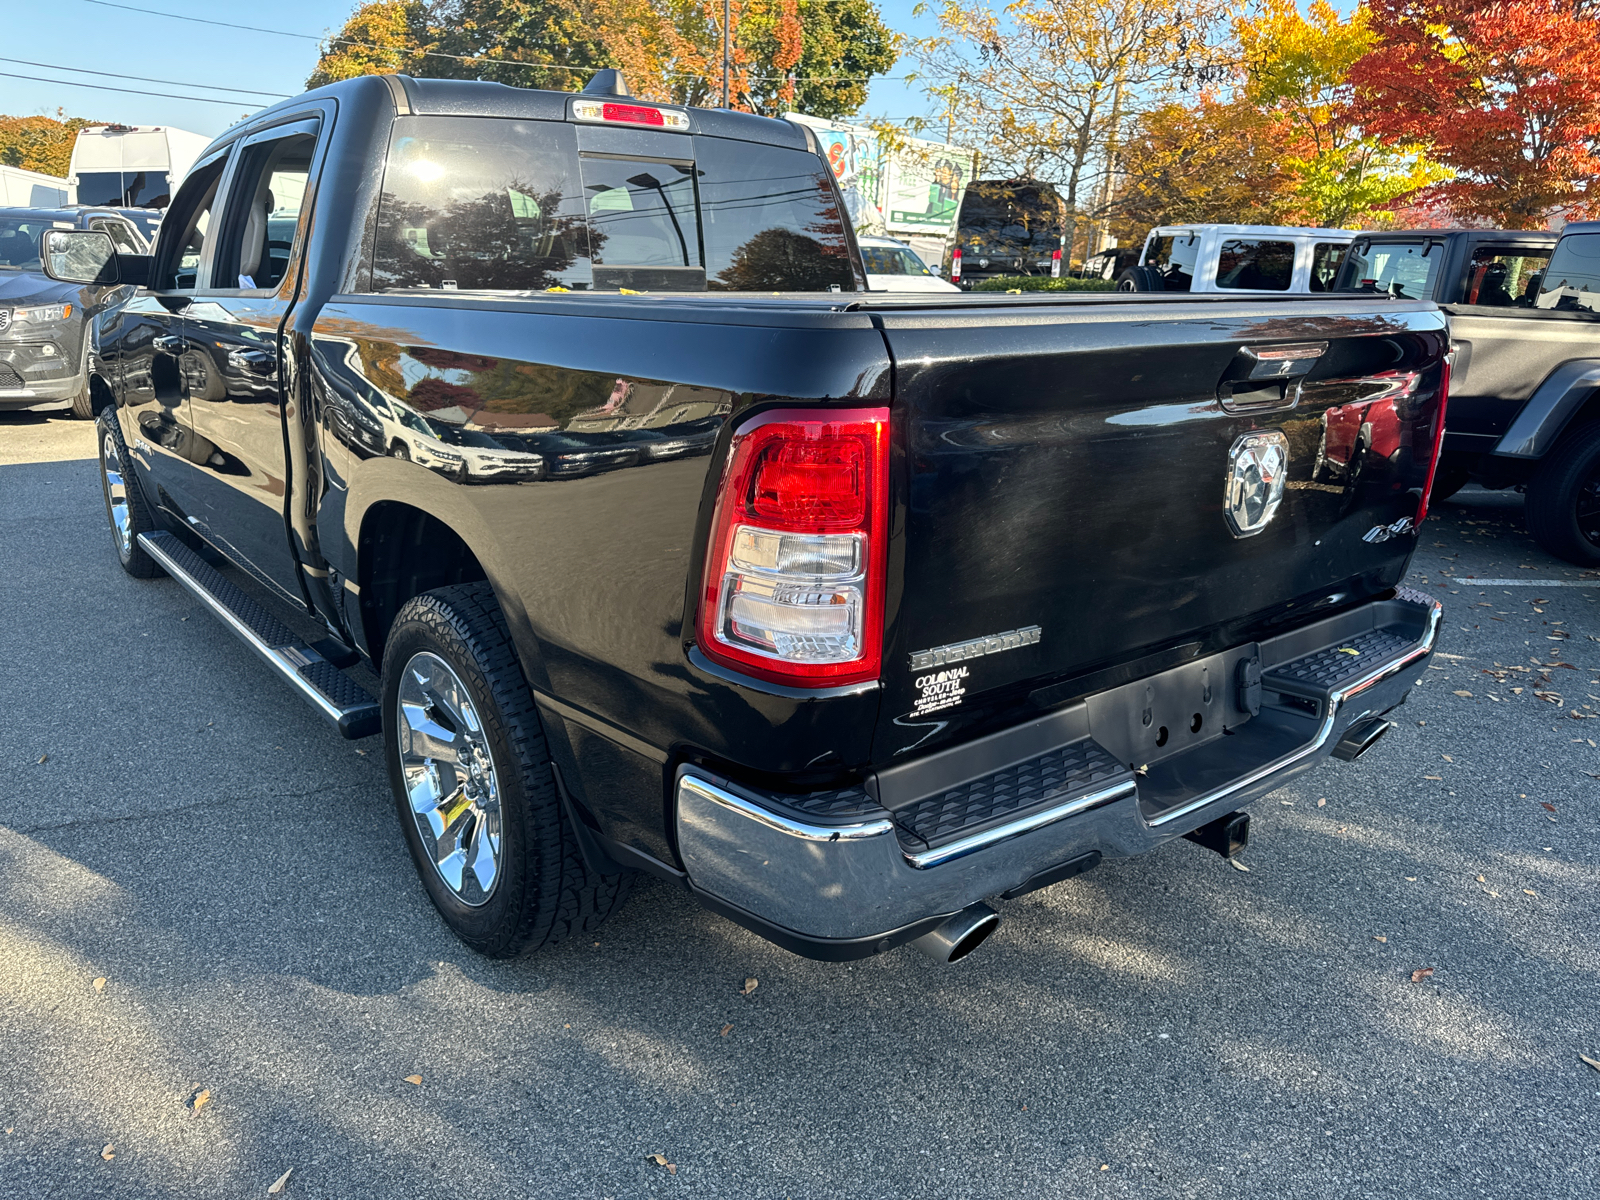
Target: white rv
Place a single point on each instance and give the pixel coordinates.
(132, 166)
(31, 189)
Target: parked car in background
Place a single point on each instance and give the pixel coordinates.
(1007, 227)
(1109, 264)
(893, 266)
(1525, 378)
(761, 582)
(1237, 258)
(44, 325)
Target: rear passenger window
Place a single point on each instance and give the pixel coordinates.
(1325, 260)
(1174, 260)
(1504, 277)
(1255, 264)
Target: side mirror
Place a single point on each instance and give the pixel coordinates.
(79, 256)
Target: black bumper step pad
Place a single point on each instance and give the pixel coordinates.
(1076, 769)
(340, 698)
(1325, 671)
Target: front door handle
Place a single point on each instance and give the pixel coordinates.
(253, 362)
(169, 343)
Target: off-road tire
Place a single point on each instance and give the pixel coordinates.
(545, 892)
(1554, 493)
(133, 558)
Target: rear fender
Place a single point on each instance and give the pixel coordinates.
(1550, 410)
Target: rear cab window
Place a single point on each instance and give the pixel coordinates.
(1255, 264)
(1404, 270)
(510, 205)
(1571, 282)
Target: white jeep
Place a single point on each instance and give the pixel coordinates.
(1237, 258)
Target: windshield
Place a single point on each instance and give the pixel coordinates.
(1572, 281)
(497, 204)
(893, 260)
(1405, 270)
(19, 243)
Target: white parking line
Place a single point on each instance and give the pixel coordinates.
(1541, 583)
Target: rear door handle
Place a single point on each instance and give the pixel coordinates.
(169, 343)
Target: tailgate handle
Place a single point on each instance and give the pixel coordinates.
(1261, 377)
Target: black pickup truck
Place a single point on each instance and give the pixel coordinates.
(1525, 378)
(676, 550)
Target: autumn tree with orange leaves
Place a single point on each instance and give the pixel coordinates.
(816, 56)
(1506, 94)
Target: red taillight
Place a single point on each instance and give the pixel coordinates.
(1055, 264)
(794, 571)
(633, 114)
(955, 265)
(1438, 439)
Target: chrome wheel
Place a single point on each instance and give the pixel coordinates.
(116, 495)
(449, 777)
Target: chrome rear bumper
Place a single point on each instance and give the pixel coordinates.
(854, 871)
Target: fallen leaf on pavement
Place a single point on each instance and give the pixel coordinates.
(1323, 803)
(277, 1184)
(1237, 865)
(100, 984)
(43, 757)
(1420, 974)
(726, 1030)
(1547, 805)
(414, 1079)
(200, 1099)
(1411, 878)
(750, 985)
(661, 1161)
(1590, 1061)
(1379, 938)
(1435, 778)
(109, 1152)
(1465, 695)
(1529, 892)
(1481, 879)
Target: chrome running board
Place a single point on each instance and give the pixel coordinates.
(329, 690)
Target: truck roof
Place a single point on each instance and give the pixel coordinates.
(1299, 230)
(1411, 235)
(474, 98)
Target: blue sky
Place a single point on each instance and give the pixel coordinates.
(183, 56)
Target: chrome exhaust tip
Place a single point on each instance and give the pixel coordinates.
(1360, 738)
(960, 935)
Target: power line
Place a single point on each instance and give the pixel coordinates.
(209, 87)
(100, 87)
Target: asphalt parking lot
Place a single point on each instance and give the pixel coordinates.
(216, 964)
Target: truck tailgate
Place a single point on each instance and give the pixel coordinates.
(1067, 467)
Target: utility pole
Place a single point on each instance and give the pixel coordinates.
(727, 51)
